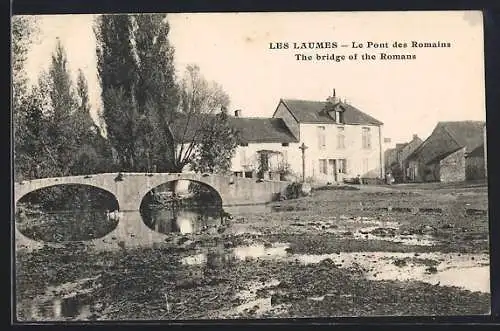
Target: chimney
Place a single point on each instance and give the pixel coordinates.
(333, 99)
(237, 113)
(415, 136)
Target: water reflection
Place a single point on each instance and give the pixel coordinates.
(58, 309)
(452, 269)
(260, 250)
(357, 228)
(182, 207)
(256, 251)
(62, 226)
(194, 259)
(390, 234)
(468, 271)
(183, 220)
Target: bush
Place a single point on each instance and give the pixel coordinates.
(296, 190)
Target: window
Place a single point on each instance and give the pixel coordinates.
(284, 144)
(342, 166)
(366, 136)
(321, 137)
(340, 138)
(340, 117)
(322, 167)
(243, 144)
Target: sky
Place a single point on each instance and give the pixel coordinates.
(233, 49)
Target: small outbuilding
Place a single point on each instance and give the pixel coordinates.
(453, 152)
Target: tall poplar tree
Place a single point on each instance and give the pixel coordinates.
(117, 69)
(70, 138)
(152, 119)
(94, 154)
(139, 92)
(156, 89)
(61, 136)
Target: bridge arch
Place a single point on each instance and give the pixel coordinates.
(189, 181)
(26, 187)
(214, 182)
(59, 220)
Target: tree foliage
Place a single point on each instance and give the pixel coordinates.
(215, 152)
(58, 136)
(201, 103)
(24, 29)
(151, 119)
(29, 147)
(156, 90)
(117, 70)
(139, 92)
(23, 32)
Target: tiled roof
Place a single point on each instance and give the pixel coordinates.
(250, 130)
(306, 111)
(262, 130)
(477, 152)
(441, 156)
(464, 134)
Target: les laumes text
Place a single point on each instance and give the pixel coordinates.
(354, 44)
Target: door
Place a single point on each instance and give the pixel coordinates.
(332, 170)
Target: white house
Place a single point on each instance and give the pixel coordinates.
(262, 140)
(341, 141)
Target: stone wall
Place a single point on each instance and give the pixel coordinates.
(452, 167)
(475, 168)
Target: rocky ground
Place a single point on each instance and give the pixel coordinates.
(400, 250)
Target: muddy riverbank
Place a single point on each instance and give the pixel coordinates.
(335, 253)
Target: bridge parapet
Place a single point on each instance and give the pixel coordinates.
(130, 188)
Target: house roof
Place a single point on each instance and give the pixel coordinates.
(468, 134)
(412, 145)
(477, 152)
(250, 129)
(458, 135)
(307, 111)
(262, 130)
(439, 157)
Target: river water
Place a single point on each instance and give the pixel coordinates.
(465, 271)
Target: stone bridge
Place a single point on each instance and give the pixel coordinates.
(130, 189)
